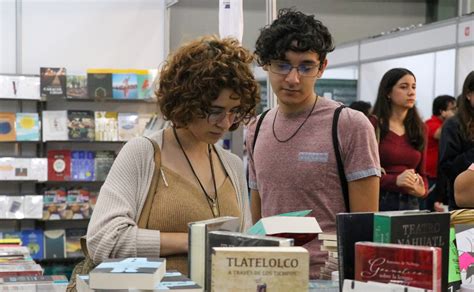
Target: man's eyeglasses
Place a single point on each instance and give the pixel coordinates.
(215, 116)
(283, 68)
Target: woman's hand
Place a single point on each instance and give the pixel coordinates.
(412, 182)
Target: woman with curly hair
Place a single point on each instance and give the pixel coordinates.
(205, 89)
(402, 140)
(456, 146)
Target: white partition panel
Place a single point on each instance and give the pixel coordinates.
(466, 31)
(437, 36)
(464, 66)
(445, 72)
(349, 72)
(7, 36)
(80, 34)
(421, 65)
(343, 55)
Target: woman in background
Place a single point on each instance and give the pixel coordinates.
(401, 135)
(456, 146)
(205, 89)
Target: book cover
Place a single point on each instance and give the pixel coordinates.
(77, 87)
(33, 206)
(198, 253)
(454, 274)
(416, 228)
(73, 242)
(81, 125)
(53, 82)
(33, 240)
(59, 165)
(31, 279)
(260, 269)
(14, 207)
(124, 86)
(77, 204)
(7, 127)
(106, 126)
(465, 244)
(27, 127)
(27, 87)
(145, 82)
(54, 126)
(131, 273)
(103, 162)
(301, 229)
(99, 84)
(351, 228)
(8, 86)
(55, 244)
(237, 239)
(410, 265)
(54, 204)
(82, 165)
(128, 126)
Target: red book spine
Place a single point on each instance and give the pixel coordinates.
(399, 264)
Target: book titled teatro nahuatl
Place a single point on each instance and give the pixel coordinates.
(260, 269)
(130, 273)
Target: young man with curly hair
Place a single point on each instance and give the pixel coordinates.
(293, 165)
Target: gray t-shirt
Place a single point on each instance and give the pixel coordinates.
(302, 173)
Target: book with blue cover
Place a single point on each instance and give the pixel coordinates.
(27, 127)
(82, 165)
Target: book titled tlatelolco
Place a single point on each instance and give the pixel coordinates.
(128, 273)
(260, 269)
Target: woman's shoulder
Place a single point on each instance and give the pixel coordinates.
(231, 158)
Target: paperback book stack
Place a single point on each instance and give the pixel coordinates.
(128, 273)
(171, 281)
(329, 244)
(16, 261)
(34, 283)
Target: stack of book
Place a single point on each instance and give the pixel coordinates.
(34, 283)
(132, 274)
(171, 281)
(16, 261)
(329, 244)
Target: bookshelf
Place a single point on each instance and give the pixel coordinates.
(17, 189)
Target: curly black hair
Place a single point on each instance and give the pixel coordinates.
(293, 31)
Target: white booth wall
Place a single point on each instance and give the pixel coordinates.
(465, 64)
(82, 34)
(434, 72)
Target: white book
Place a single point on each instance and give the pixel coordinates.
(54, 124)
(173, 281)
(127, 126)
(33, 206)
(129, 273)
(198, 251)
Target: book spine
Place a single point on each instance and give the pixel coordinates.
(382, 229)
(340, 249)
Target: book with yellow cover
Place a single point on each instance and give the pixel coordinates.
(260, 269)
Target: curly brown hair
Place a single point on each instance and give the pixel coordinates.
(196, 74)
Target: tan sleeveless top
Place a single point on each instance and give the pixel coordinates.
(179, 202)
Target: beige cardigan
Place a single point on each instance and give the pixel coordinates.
(113, 230)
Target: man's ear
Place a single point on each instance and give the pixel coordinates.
(322, 68)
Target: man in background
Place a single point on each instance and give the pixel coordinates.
(444, 107)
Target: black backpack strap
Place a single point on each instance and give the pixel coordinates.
(340, 165)
(257, 128)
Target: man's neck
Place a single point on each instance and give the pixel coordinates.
(298, 108)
